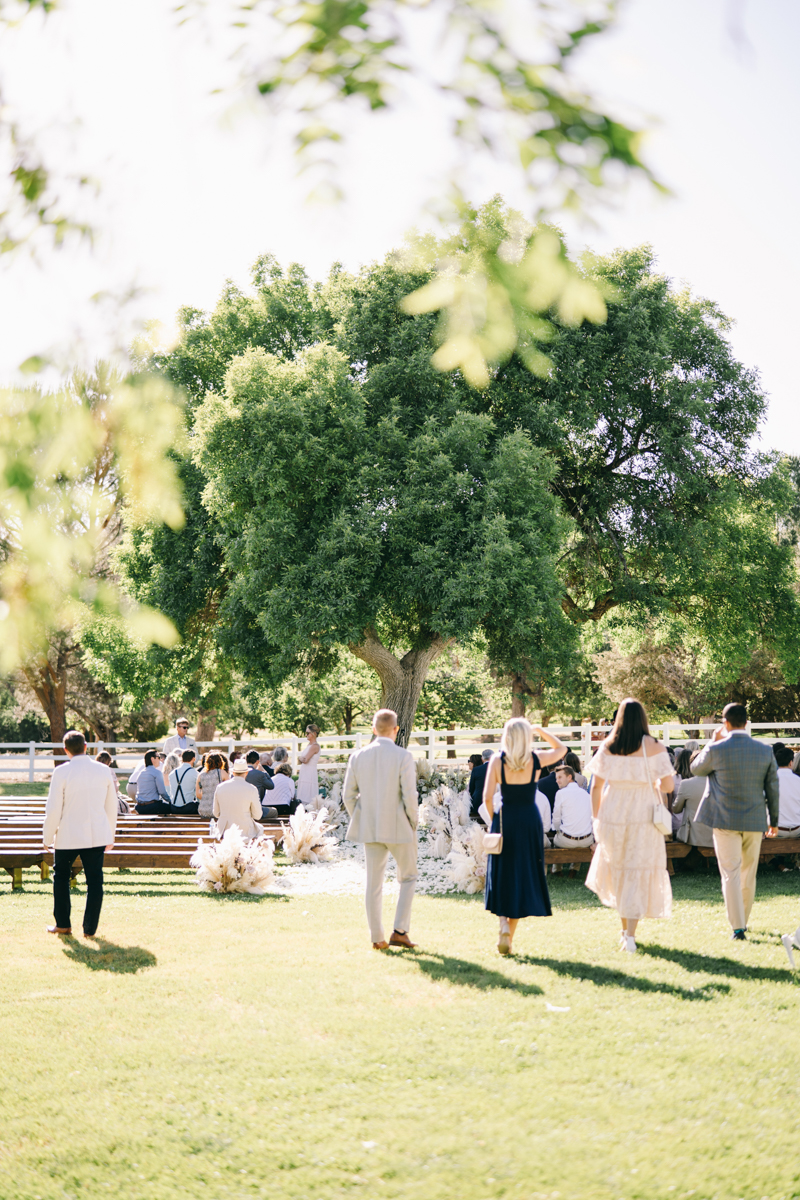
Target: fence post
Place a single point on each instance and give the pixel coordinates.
(31, 762)
(231, 748)
(431, 745)
(294, 753)
(586, 744)
(359, 739)
(99, 748)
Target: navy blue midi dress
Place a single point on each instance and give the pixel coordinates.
(516, 881)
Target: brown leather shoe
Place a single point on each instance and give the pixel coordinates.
(401, 939)
(380, 945)
(55, 929)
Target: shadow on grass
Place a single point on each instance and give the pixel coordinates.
(607, 977)
(100, 955)
(241, 897)
(467, 974)
(691, 960)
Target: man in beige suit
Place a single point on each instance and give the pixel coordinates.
(380, 793)
(80, 819)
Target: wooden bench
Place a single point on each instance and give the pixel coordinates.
(140, 841)
(555, 854)
(770, 848)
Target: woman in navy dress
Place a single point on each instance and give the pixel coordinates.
(516, 881)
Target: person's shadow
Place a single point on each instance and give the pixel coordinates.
(467, 974)
(607, 977)
(99, 955)
(710, 964)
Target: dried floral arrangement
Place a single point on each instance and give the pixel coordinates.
(306, 838)
(235, 863)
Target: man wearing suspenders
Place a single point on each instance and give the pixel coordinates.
(182, 780)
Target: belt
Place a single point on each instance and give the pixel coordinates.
(786, 828)
(575, 837)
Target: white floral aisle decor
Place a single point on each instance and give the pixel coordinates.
(235, 863)
(451, 854)
(306, 838)
(338, 817)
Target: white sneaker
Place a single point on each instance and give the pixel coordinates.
(788, 943)
(630, 944)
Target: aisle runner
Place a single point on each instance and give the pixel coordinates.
(346, 876)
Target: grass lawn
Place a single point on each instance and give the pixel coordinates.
(234, 1047)
(24, 789)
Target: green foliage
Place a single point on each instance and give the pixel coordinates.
(460, 691)
(70, 462)
(17, 725)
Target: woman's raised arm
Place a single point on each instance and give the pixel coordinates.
(558, 748)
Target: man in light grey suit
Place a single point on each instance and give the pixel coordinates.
(380, 793)
(742, 782)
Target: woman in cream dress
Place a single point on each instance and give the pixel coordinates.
(307, 779)
(629, 868)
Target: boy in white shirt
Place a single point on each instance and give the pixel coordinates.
(789, 795)
(572, 813)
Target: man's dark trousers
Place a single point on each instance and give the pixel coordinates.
(92, 859)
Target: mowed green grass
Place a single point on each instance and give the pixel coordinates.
(234, 1047)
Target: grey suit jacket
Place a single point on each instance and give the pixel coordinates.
(380, 793)
(742, 773)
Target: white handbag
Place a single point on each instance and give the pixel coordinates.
(493, 842)
(662, 817)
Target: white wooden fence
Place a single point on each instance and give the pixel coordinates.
(35, 759)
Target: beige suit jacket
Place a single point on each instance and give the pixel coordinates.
(236, 802)
(81, 809)
(380, 793)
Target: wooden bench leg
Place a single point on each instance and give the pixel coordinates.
(16, 877)
(670, 867)
(45, 869)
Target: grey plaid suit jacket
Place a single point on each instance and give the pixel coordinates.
(741, 773)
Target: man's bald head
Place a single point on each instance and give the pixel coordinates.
(385, 722)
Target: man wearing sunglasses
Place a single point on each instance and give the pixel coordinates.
(180, 739)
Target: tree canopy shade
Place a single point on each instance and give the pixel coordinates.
(351, 525)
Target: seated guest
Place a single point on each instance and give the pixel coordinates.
(687, 801)
(572, 813)
(133, 779)
(547, 785)
(151, 793)
(789, 796)
(122, 804)
(476, 782)
(236, 802)
(266, 763)
(183, 785)
(682, 771)
(282, 798)
(543, 805)
(257, 776)
(209, 779)
(172, 761)
(776, 746)
(279, 755)
(572, 760)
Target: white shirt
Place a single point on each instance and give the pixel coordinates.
(81, 809)
(572, 812)
(789, 802)
(543, 805)
(282, 792)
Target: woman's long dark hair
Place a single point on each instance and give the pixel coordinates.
(682, 760)
(630, 727)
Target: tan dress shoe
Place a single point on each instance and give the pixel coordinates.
(55, 929)
(380, 945)
(401, 939)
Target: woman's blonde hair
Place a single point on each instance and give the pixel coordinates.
(517, 741)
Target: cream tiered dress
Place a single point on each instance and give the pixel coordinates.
(629, 867)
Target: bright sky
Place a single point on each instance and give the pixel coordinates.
(194, 187)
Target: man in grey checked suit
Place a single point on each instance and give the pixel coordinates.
(742, 783)
(380, 793)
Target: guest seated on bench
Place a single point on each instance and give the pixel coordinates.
(182, 787)
(572, 813)
(151, 792)
(236, 802)
(543, 805)
(122, 804)
(283, 801)
(256, 775)
(789, 795)
(686, 800)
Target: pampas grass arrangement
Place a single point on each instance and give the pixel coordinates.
(307, 839)
(234, 864)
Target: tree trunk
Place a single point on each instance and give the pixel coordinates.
(348, 717)
(451, 741)
(519, 694)
(48, 681)
(401, 678)
(206, 725)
